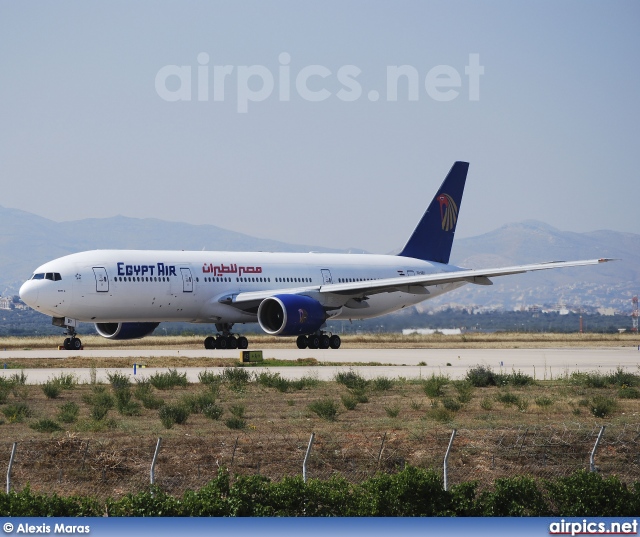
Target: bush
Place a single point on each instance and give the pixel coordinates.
(212, 411)
(392, 411)
(382, 384)
(118, 380)
(66, 382)
(18, 379)
(433, 385)
(144, 393)
(45, 426)
(349, 402)
(237, 410)
(544, 401)
(601, 406)
(124, 404)
(235, 423)
(51, 389)
(451, 404)
(68, 412)
(464, 389)
(351, 379)
(481, 376)
(440, 414)
(627, 392)
(514, 496)
(5, 389)
(196, 402)
(170, 414)
(325, 408)
(16, 412)
(209, 378)
(622, 378)
(168, 380)
(236, 375)
(507, 398)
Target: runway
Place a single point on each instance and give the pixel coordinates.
(542, 364)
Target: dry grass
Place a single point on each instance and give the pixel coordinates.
(358, 443)
(495, 340)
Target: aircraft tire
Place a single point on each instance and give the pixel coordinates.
(313, 341)
(67, 344)
(302, 342)
(232, 342)
(324, 341)
(221, 342)
(76, 344)
(243, 342)
(209, 342)
(335, 341)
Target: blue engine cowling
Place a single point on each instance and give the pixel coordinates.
(290, 315)
(125, 330)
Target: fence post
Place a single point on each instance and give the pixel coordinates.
(381, 448)
(306, 458)
(152, 473)
(13, 453)
(592, 462)
(446, 459)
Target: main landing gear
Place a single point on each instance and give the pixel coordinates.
(319, 341)
(226, 340)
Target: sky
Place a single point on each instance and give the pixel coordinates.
(312, 136)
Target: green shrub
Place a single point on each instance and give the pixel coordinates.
(118, 380)
(451, 404)
(588, 380)
(623, 378)
(601, 406)
(627, 392)
(16, 412)
(514, 496)
(360, 395)
(51, 389)
(124, 404)
(236, 375)
(486, 403)
(68, 412)
(212, 411)
(144, 393)
(196, 402)
(508, 398)
(18, 379)
(237, 410)
(351, 379)
(168, 380)
(544, 401)
(464, 389)
(209, 378)
(171, 414)
(66, 381)
(440, 414)
(45, 426)
(434, 384)
(481, 376)
(325, 408)
(5, 389)
(382, 384)
(349, 402)
(235, 423)
(392, 411)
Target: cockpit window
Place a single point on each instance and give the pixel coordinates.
(53, 276)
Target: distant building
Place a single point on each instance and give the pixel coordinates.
(429, 331)
(6, 303)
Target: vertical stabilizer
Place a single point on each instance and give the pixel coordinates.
(433, 237)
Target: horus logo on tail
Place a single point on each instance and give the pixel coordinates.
(448, 212)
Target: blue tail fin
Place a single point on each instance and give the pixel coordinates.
(433, 237)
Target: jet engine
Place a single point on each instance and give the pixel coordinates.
(125, 330)
(290, 315)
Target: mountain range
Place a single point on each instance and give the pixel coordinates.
(28, 240)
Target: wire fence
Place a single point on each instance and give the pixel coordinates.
(103, 467)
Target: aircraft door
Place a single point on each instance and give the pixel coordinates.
(102, 280)
(326, 276)
(187, 280)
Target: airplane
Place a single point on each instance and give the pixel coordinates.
(128, 293)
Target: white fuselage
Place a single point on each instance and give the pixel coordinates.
(154, 286)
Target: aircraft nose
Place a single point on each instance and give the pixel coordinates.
(29, 293)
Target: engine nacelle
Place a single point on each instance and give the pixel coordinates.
(290, 315)
(125, 330)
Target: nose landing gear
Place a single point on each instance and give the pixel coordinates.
(71, 343)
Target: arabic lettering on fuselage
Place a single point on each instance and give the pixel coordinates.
(218, 270)
(159, 269)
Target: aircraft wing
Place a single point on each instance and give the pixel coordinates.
(409, 284)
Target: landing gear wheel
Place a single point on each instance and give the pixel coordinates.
(76, 344)
(209, 342)
(324, 341)
(313, 341)
(243, 342)
(67, 343)
(232, 342)
(221, 342)
(335, 341)
(302, 342)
